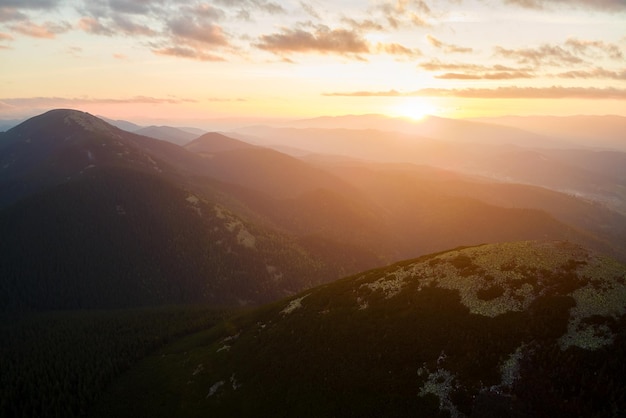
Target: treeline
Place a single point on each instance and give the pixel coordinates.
(56, 364)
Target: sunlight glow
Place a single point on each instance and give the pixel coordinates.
(414, 108)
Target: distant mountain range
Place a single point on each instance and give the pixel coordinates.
(95, 216)
(525, 329)
(589, 163)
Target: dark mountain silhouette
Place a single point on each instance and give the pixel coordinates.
(520, 329)
(98, 217)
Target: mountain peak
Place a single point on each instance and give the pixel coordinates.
(65, 122)
(85, 120)
(216, 142)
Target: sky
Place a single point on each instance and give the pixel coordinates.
(175, 60)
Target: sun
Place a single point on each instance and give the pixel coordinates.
(414, 108)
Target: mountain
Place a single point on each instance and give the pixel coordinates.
(225, 222)
(52, 148)
(122, 124)
(599, 132)
(445, 129)
(93, 216)
(592, 174)
(520, 329)
(167, 133)
(213, 142)
(5, 124)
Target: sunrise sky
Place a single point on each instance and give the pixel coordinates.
(187, 60)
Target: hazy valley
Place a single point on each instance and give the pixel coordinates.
(514, 231)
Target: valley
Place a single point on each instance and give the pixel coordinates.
(512, 250)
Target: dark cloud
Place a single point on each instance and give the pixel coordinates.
(134, 6)
(320, 39)
(8, 14)
(115, 18)
(511, 92)
(29, 4)
(128, 27)
(263, 5)
(188, 28)
(206, 11)
(605, 5)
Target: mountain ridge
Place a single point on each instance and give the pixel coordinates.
(490, 330)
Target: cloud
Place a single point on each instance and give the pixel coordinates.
(586, 47)
(405, 13)
(321, 39)
(195, 36)
(553, 55)
(512, 92)
(187, 52)
(5, 37)
(310, 10)
(466, 71)
(189, 28)
(572, 52)
(363, 25)
(93, 26)
(133, 6)
(51, 102)
(397, 49)
(595, 73)
(499, 75)
(74, 51)
(8, 14)
(207, 11)
(605, 5)
(29, 4)
(48, 30)
(447, 48)
(263, 5)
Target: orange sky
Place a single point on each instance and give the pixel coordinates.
(174, 61)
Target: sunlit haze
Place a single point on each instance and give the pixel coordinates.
(172, 61)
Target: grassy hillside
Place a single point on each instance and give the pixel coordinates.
(521, 329)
